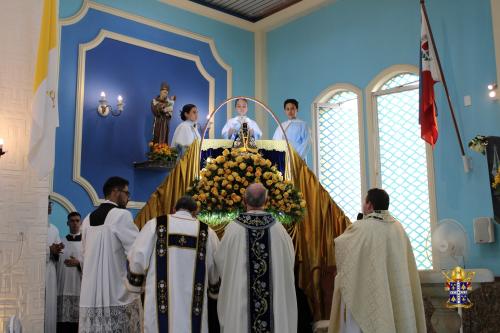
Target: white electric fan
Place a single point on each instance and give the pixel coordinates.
(449, 244)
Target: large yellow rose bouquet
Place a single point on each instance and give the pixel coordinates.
(219, 190)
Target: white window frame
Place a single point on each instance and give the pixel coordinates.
(372, 91)
(323, 97)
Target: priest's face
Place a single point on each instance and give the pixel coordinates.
(123, 197)
(74, 224)
(291, 110)
(242, 107)
(163, 93)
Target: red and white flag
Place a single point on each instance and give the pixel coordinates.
(429, 74)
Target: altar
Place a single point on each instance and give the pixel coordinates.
(312, 236)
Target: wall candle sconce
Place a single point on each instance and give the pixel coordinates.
(1, 147)
(104, 109)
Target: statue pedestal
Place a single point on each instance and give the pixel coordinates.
(156, 165)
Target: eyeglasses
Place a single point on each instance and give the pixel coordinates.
(127, 193)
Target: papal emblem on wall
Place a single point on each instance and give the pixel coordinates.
(458, 287)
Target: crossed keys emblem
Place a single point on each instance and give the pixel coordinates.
(52, 96)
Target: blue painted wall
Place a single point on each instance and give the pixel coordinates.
(351, 41)
(112, 144)
(235, 47)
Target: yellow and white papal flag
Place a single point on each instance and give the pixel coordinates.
(45, 114)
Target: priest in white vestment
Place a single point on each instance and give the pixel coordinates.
(107, 236)
(256, 260)
(69, 276)
(233, 125)
(175, 255)
(54, 249)
(377, 288)
(296, 130)
(187, 131)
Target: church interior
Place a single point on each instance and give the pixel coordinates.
(354, 66)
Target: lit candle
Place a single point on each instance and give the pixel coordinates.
(103, 95)
(120, 99)
(1, 143)
(490, 87)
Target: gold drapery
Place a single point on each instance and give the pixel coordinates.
(175, 185)
(312, 237)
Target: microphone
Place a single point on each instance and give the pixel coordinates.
(359, 217)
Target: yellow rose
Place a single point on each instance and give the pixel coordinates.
(269, 182)
(245, 183)
(214, 200)
(242, 190)
(224, 183)
(285, 195)
(258, 169)
(248, 174)
(239, 159)
(243, 166)
(302, 203)
(230, 178)
(208, 174)
(220, 159)
(225, 152)
(226, 165)
(234, 153)
(230, 202)
(236, 186)
(220, 171)
(214, 191)
(227, 171)
(258, 173)
(229, 186)
(249, 169)
(223, 193)
(262, 162)
(202, 196)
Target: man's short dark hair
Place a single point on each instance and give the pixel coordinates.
(293, 101)
(112, 183)
(70, 215)
(255, 200)
(379, 199)
(186, 202)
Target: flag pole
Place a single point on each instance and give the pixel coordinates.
(459, 138)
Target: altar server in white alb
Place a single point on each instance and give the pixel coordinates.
(233, 125)
(54, 249)
(377, 288)
(256, 260)
(69, 277)
(175, 256)
(107, 236)
(296, 130)
(187, 131)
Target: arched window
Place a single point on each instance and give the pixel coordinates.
(338, 153)
(400, 159)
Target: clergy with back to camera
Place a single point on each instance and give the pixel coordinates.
(69, 276)
(377, 288)
(256, 260)
(107, 236)
(174, 254)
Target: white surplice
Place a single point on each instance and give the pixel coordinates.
(69, 281)
(185, 134)
(181, 265)
(232, 263)
(105, 303)
(297, 134)
(235, 124)
(51, 281)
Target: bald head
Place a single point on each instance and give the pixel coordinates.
(255, 196)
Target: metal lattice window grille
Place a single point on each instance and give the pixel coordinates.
(339, 151)
(403, 161)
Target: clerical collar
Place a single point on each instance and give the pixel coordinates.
(256, 211)
(111, 202)
(74, 238)
(382, 215)
(184, 214)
